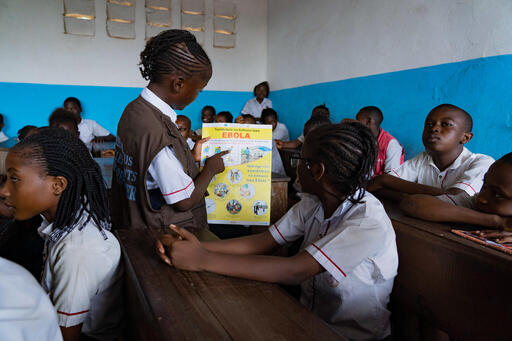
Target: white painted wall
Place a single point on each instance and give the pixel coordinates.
(34, 48)
(326, 40)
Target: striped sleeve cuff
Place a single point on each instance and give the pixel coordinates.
(326, 262)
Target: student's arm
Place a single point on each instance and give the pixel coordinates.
(386, 186)
(107, 138)
(497, 236)
(256, 244)
(288, 144)
(101, 134)
(213, 165)
(71, 333)
(189, 254)
(430, 208)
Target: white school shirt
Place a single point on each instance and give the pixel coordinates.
(393, 156)
(190, 143)
(3, 137)
(83, 276)
(89, 129)
(466, 172)
(254, 108)
(281, 132)
(165, 171)
(26, 312)
(356, 246)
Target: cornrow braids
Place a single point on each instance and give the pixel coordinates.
(172, 51)
(59, 153)
(348, 152)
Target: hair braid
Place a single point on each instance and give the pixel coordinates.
(172, 51)
(348, 152)
(59, 153)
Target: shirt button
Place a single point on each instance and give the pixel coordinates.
(440, 176)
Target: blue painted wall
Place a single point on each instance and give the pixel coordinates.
(483, 87)
(23, 104)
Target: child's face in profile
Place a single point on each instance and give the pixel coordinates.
(444, 131)
(28, 191)
(270, 120)
(207, 116)
(495, 197)
(190, 89)
(183, 127)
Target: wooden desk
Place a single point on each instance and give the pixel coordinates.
(450, 283)
(168, 304)
(279, 197)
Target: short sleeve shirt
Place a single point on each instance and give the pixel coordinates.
(165, 171)
(393, 155)
(356, 246)
(89, 129)
(26, 313)
(254, 108)
(466, 172)
(281, 132)
(83, 277)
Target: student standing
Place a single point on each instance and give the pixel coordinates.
(156, 181)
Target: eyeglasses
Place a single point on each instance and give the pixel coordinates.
(294, 161)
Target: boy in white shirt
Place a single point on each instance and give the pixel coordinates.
(279, 130)
(446, 167)
(90, 130)
(348, 259)
(3, 137)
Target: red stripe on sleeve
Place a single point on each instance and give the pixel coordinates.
(451, 199)
(280, 233)
(72, 314)
(395, 173)
(467, 185)
(330, 260)
(191, 182)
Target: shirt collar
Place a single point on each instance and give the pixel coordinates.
(340, 212)
(165, 108)
(45, 228)
(456, 163)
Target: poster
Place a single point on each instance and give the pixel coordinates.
(241, 194)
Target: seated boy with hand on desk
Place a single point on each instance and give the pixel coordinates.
(445, 168)
(491, 207)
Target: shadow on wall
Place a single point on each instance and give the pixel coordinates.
(480, 86)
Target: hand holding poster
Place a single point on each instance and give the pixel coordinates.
(240, 194)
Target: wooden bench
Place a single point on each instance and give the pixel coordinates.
(168, 304)
(449, 283)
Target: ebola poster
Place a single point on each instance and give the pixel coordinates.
(241, 194)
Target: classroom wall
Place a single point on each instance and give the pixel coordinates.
(405, 56)
(42, 65)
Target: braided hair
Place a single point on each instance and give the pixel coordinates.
(59, 153)
(172, 51)
(348, 152)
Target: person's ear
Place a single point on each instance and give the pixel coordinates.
(176, 83)
(317, 170)
(59, 184)
(466, 137)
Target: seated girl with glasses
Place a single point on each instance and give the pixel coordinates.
(348, 259)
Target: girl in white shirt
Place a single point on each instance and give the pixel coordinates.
(348, 259)
(52, 174)
(260, 101)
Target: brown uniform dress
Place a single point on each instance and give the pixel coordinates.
(142, 132)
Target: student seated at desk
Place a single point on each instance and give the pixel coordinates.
(52, 174)
(224, 117)
(90, 130)
(348, 259)
(207, 116)
(491, 207)
(445, 167)
(279, 130)
(183, 123)
(62, 118)
(318, 111)
(3, 137)
(391, 152)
